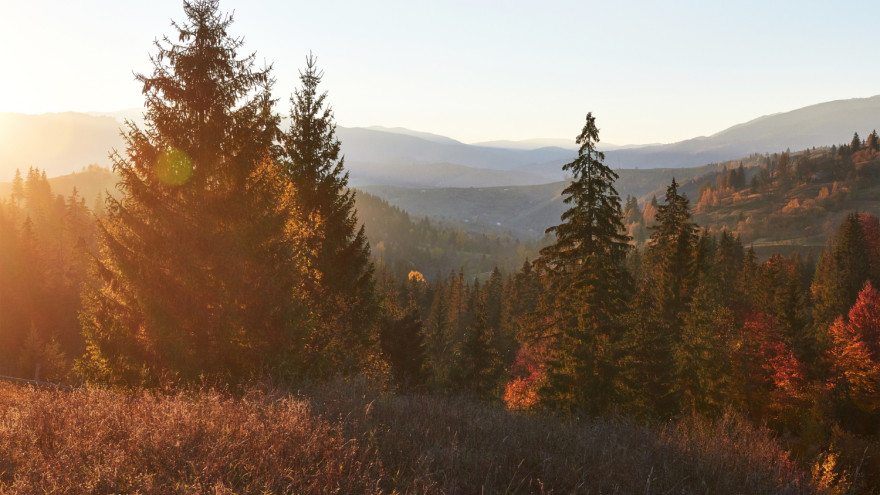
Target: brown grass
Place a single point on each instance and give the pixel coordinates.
(348, 438)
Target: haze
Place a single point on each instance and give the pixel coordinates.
(477, 71)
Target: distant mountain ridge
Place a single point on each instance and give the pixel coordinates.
(822, 124)
(65, 142)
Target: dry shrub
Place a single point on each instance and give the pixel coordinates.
(96, 442)
(351, 438)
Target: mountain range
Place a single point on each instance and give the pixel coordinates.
(65, 142)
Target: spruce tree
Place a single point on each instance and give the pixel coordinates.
(873, 141)
(586, 284)
(592, 225)
(671, 255)
(17, 188)
(841, 273)
(343, 286)
(656, 333)
(200, 265)
(856, 143)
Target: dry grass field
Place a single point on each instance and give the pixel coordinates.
(349, 438)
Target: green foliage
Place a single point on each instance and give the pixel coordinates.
(586, 287)
(840, 273)
(873, 141)
(342, 289)
(200, 275)
(856, 143)
(672, 260)
(592, 225)
(44, 243)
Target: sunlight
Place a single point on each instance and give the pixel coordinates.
(174, 167)
(18, 134)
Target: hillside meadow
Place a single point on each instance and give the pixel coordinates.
(353, 437)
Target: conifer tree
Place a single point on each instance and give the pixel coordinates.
(656, 331)
(343, 286)
(592, 225)
(873, 141)
(401, 329)
(856, 143)
(840, 273)
(17, 188)
(586, 285)
(200, 265)
(477, 361)
(672, 256)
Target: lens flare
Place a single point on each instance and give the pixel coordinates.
(174, 167)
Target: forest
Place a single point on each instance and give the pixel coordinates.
(233, 265)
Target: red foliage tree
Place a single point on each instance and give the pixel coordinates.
(528, 373)
(864, 320)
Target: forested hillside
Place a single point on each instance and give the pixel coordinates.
(235, 318)
(790, 201)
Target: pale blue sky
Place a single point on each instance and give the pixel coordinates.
(477, 70)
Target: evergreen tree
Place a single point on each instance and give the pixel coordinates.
(873, 141)
(592, 225)
(17, 188)
(200, 263)
(841, 272)
(477, 361)
(672, 255)
(655, 332)
(343, 287)
(401, 327)
(586, 285)
(856, 143)
(701, 355)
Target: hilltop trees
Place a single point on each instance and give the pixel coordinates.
(843, 269)
(43, 250)
(342, 283)
(587, 287)
(201, 262)
(873, 141)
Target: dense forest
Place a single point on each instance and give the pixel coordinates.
(234, 253)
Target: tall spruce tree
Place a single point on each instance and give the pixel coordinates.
(199, 267)
(592, 225)
(343, 288)
(587, 286)
(656, 333)
(873, 141)
(672, 256)
(841, 272)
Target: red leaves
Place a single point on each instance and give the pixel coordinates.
(527, 376)
(864, 320)
(853, 353)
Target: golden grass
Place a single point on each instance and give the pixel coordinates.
(348, 438)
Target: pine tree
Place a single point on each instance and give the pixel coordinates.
(477, 362)
(586, 285)
(17, 188)
(856, 143)
(200, 263)
(702, 366)
(841, 272)
(873, 141)
(592, 225)
(656, 323)
(401, 326)
(343, 288)
(672, 255)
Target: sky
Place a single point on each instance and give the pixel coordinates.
(651, 72)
